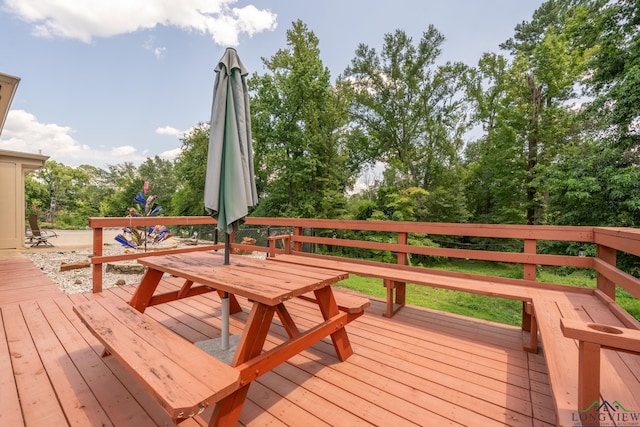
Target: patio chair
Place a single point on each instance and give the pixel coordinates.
(36, 236)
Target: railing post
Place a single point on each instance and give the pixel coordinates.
(528, 320)
(607, 255)
(530, 269)
(403, 239)
(97, 268)
(297, 246)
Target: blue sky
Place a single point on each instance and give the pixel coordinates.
(104, 82)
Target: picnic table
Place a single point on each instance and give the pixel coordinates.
(267, 285)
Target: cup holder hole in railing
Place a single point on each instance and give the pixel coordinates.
(604, 328)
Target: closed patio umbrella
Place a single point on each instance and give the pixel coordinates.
(230, 184)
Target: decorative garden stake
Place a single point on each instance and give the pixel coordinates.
(139, 237)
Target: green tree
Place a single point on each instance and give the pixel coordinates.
(125, 184)
(615, 80)
(90, 194)
(495, 165)
(590, 188)
(190, 172)
(57, 193)
(123, 181)
(66, 194)
(35, 194)
(548, 65)
(303, 157)
(162, 181)
(552, 15)
(597, 182)
(410, 111)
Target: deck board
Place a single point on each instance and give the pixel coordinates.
(37, 395)
(421, 367)
(23, 281)
(10, 410)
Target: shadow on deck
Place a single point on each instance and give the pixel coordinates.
(421, 367)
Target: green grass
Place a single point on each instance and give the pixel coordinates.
(480, 306)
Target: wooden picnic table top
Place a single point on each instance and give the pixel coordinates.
(266, 282)
(267, 285)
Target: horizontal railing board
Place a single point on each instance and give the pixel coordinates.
(457, 274)
(514, 257)
(507, 231)
(99, 222)
(619, 277)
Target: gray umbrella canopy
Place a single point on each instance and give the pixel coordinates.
(230, 186)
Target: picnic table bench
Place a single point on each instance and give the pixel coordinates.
(184, 379)
(591, 345)
(155, 356)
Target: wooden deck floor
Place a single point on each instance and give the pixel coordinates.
(21, 280)
(421, 367)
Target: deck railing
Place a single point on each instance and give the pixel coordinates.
(608, 242)
(99, 224)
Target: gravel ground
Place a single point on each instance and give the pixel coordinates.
(79, 280)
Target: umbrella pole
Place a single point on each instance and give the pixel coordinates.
(225, 300)
(224, 344)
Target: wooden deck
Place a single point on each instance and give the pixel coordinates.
(421, 367)
(21, 280)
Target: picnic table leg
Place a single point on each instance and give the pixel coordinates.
(234, 305)
(329, 308)
(228, 410)
(141, 298)
(287, 321)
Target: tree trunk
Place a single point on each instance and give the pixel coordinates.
(533, 140)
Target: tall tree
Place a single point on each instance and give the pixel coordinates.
(407, 107)
(302, 155)
(410, 113)
(547, 67)
(600, 179)
(496, 166)
(615, 80)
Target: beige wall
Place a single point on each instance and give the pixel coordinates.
(13, 168)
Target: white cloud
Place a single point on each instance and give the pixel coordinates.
(123, 151)
(158, 51)
(171, 154)
(23, 132)
(84, 20)
(168, 130)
